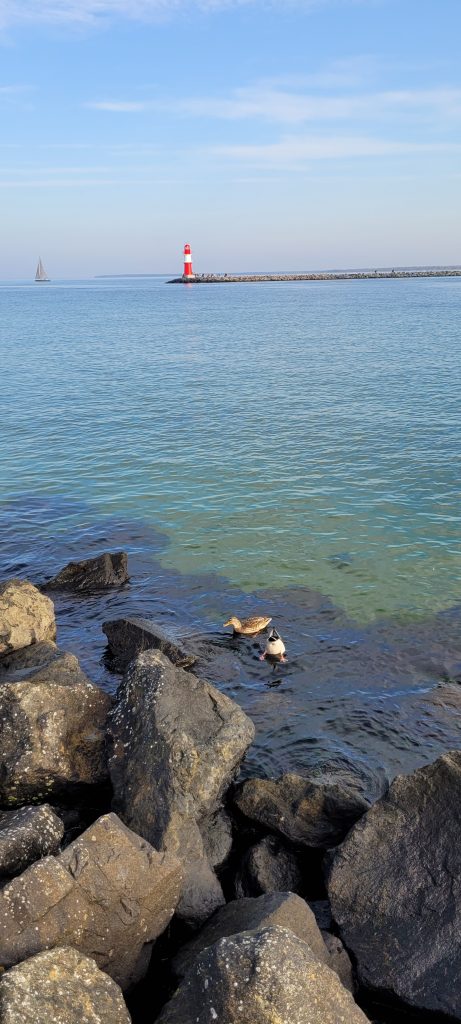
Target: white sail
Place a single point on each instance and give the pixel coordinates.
(41, 274)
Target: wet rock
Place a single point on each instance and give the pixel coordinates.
(216, 833)
(282, 908)
(26, 616)
(316, 813)
(108, 895)
(261, 977)
(52, 733)
(26, 835)
(395, 890)
(177, 744)
(62, 986)
(19, 664)
(127, 638)
(93, 574)
(339, 960)
(269, 866)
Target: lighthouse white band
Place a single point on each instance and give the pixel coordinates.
(187, 258)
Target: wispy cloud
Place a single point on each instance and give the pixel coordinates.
(266, 102)
(294, 151)
(93, 11)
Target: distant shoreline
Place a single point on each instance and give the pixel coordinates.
(347, 275)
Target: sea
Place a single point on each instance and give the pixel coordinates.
(289, 449)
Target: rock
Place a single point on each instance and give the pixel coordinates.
(52, 733)
(339, 960)
(217, 837)
(127, 638)
(322, 912)
(268, 867)
(26, 835)
(177, 744)
(62, 986)
(395, 890)
(26, 616)
(281, 908)
(18, 664)
(307, 813)
(108, 895)
(268, 976)
(93, 574)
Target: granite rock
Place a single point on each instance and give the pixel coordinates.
(127, 638)
(268, 976)
(92, 574)
(52, 733)
(60, 986)
(177, 743)
(282, 909)
(108, 895)
(26, 834)
(26, 616)
(395, 890)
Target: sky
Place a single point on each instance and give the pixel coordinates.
(273, 135)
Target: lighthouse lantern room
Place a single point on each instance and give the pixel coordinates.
(188, 273)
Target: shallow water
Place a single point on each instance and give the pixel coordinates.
(284, 448)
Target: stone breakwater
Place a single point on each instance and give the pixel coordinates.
(367, 275)
(141, 880)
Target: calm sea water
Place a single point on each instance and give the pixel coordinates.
(291, 447)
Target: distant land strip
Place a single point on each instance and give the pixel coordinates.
(353, 275)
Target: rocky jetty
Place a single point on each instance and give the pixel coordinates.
(366, 275)
(132, 858)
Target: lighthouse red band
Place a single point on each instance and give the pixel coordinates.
(188, 272)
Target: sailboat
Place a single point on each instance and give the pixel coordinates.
(41, 274)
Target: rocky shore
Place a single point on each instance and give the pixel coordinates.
(141, 880)
(356, 275)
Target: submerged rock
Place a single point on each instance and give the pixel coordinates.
(127, 638)
(92, 574)
(395, 890)
(269, 866)
(282, 908)
(62, 986)
(26, 835)
(52, 733)
(108, 895)
(316, 813)
(177, 743)
(26, 616)
(261, 977)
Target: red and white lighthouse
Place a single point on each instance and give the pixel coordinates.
(188, 273)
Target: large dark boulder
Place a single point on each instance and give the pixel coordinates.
(177, 743)
(268, 866)
(395, 890)
(26, 616)
(61, 986)
(52, 733)
(309, 813)
(261, 977)
(127, 638)
(108, 895)
(283, 909)
(92, 574)
(26, 835)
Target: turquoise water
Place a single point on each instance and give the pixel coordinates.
(291, 449)
(303, 433)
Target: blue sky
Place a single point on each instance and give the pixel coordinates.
(271, 135)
